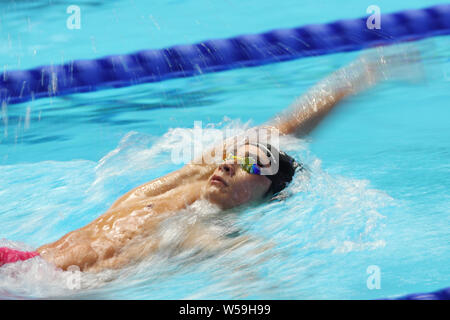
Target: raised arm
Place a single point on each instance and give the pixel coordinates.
(308, 110)
(300, 118)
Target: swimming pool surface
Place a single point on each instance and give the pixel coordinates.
(380, 164)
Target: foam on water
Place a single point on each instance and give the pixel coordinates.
(278, 246)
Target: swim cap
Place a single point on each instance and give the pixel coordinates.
(287, 166)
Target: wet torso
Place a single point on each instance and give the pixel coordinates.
(125, 233)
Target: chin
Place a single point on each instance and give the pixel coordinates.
(218, 196)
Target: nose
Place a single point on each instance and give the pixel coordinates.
(228, 169)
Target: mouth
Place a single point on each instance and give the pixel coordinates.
(218, 180)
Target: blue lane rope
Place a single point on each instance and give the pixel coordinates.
(443, 294)
(221, 54)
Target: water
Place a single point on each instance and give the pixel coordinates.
(34, 32)
(377, 192)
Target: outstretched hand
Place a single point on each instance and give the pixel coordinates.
(380, 64)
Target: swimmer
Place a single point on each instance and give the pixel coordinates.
(123, 234)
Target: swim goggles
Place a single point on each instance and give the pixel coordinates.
(248, 164)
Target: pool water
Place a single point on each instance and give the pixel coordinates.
(377, 193)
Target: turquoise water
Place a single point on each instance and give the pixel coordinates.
(380, 164)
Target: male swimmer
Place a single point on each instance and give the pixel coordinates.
(123, 235)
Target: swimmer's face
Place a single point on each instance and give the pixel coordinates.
(230, 185)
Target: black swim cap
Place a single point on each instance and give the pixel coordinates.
(287, 166)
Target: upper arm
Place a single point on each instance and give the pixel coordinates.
(308, 110)
(188, 172)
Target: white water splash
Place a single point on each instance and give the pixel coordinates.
(320, 216)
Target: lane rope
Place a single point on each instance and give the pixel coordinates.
(443, 294)
(221, 54)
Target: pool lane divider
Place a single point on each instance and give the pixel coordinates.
(221, 54)
(443, 294)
